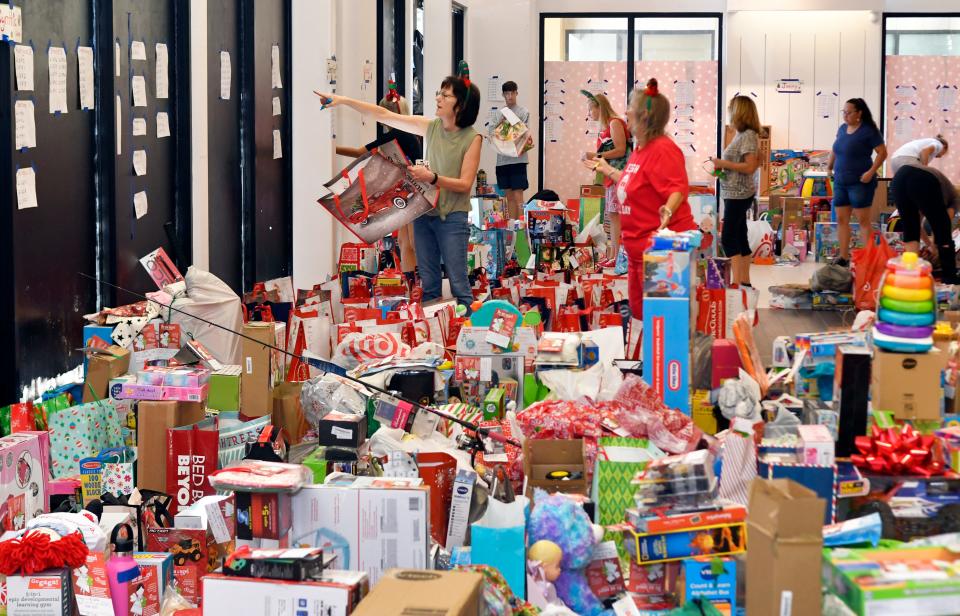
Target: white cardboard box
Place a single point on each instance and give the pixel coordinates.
(261, 597)
(817, 446)
(370, 529)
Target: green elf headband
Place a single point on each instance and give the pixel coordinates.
(463, 72)
(590, 96)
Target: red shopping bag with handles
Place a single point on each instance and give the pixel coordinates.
(869, 264)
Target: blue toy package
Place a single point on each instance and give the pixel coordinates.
(666, 349)
(701, 579)
(867, 529)
(667, 273)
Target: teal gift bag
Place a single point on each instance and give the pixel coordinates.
(498, 539)
(83, 431)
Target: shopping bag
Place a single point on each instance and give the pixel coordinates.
(375, 195)
(83, 431)
(739, 467)
(438, 470)
(234, 435)
(618, 460)
(192, 453)
(498, 540)
(869, 264)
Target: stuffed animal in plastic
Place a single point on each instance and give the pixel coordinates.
(561, 520)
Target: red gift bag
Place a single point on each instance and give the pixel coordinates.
(192, 453)
(869, 264)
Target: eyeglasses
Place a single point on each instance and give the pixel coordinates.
(445, 95)
(846, 113)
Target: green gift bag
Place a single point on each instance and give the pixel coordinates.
(618, 460)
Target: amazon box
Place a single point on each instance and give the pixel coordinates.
(408, 591)
(257, 373)
(541, 457)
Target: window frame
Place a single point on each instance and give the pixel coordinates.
(638, 45)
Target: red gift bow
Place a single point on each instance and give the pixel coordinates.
(902, 451)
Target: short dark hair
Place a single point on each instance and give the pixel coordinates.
(509, 86)
(468, 100)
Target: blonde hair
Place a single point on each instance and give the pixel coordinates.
(606, 109)
(656, 108)
(400, 106)
(743, 114)
(545, 551)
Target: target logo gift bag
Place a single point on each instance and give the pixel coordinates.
(375, 195)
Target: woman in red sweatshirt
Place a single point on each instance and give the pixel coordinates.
(653, 187)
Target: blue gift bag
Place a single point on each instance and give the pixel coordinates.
(498, 539)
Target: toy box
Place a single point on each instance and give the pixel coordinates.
(827, 244)
(263, 515)
(667, 273)
(337, 594)
(48, 593)
(719, 540)
(666, 349)
(191, 554)
(700, 579)
(24, 472)
(894, 581)
(156, 573)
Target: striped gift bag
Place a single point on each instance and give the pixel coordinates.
(460, 410)
(739, 468)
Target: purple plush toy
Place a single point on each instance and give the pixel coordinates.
(559, 519)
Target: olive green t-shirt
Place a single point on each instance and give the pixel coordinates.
(445, 151)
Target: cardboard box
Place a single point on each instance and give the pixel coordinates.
(666, 349)
(49, 593)
(24, 478)
(543, 456)
(892, 581)
(909, 384)
(337, 429)
(816, 445)
(785, 525)
(156, 573)
(400, 591)
(224, 392)
(153, 420)
(337, 596)
(263, 515)
(257, 370)
(288, 413)
(101, 368)
(371, 525)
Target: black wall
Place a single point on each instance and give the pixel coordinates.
(224, 188)
(42, 299)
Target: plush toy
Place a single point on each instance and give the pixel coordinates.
(52, 540)
(561, 520)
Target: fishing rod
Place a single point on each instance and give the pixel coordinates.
(324, 366)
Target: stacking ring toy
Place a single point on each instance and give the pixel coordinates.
(907, 295)
(908, 307)
(904, 331)
(902, 345)
(908, 282)
(905, 267)
(906, 319)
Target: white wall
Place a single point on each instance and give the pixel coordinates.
(199, 160)
(501, 41)
(829, 51)
(314, 238)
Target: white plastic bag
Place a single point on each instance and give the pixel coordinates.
(210, 298)
(756, 231)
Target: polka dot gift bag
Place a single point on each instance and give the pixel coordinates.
(83, 431)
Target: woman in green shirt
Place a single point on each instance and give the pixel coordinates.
(451, 158)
